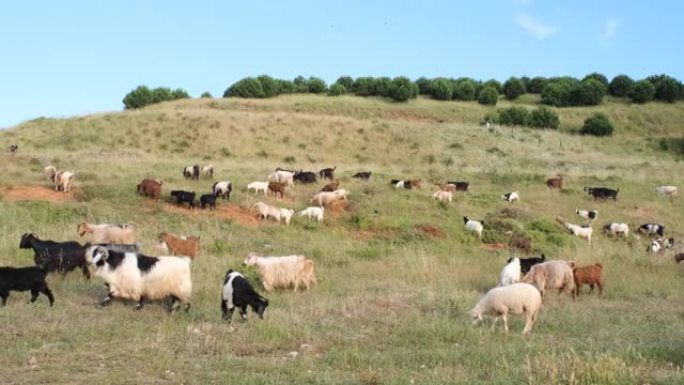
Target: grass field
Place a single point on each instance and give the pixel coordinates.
(392, 300)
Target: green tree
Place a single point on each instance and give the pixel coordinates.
(269, 85)
(598, 77)
(440, 89)
(543, 117)
(301, 85)
(515, 116)
(403, 89)
(206, 95)
(597, 125)
(464, 89)
(161, 94)
(364, 86)
(424, 85)
(667, 89)
(286, 86)
(537, 85)
(245, 88)
(489, 96)
(317, 85)
(620, 86)
(337, 89)
(642, 91)
(493, 83)
(382, 86)
(513, 87)
(588, 92)
(347, 82)
(138, 98)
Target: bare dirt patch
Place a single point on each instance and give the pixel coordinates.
(410, 116)
(39, 193)
(494, 246)
(431, 230)
(241, 216)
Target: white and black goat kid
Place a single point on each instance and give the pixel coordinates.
(238, 293)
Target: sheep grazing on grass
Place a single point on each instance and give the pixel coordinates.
(150, 188)
(138, 277)
(552, 275)
(510, 274)
(106, 233)
(237, 292)
(556, 182)
(286, 215)
(192, 172)
(362, 175)
(587, 214)
(63, 180)
(590, 275)
(324, 198)
(277, 189)
(208, 171)
(616, 229)
(24, 279)
(282, 176)
(313, 212)
(57, 256)
(668, 191)
(208, 200)
(265, 211)
(527, 263)
(327, 173)
(516, 298)
(283, 272)
(258, 186)
(652, 229)
(180, 245)
(222, 189)
(511, 197)
(443, 196)
(49, 173)
(332, 186)
(577, 230)
(474, 226)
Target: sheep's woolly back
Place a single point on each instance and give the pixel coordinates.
(515, 299)
(284, 272)
(552, 275)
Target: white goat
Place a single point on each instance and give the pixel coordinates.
(282, 176)
(616, 229)
(208, 170)
(474, 226)
(511, 196)
(266, 211)
(579, 231)
(587, 214)
(313, 212)
(283, 272)
(668, 191)
(258, 186)
(106, 233)
(324, 198)
(510, 273)
(286, 215)
(444, 196)
(63, 180)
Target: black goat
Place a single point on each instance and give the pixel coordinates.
(184, 196)
(208, 199)
(24, 279)
(305, 176)
(362, 175)
(527, 263)
(328, 173)
(602, 193)
(56, 256)
(238, 292)
(460, 185)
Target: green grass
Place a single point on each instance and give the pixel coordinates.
(391, 303)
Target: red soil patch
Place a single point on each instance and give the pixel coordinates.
(364, 235)
(39, 193)
(431, 230)
(242, 216)
(411, 116)
(494, 246)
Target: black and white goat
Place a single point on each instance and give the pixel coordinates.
(652, 229)
(587, 214)
(237, 292)
(527, 263)
(362, 175)
(192, 172)
(327, 173)
(24, 279)
(474, 226)
(222, 189)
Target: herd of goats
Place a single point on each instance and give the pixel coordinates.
(113, 250)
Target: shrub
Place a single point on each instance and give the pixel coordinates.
(347, 82)
(667, 89)
(337, 89)
(513, 88)
(402, 89)
(269, 86)
(301, 85)
(364, 86)
(492, 117)
(317, 85)
(597, 125)
(515, 116)
(536, 85)
(424, 85)
(588, 92)
(488, 96)
(138, 98)
(464, 89)
(543, 117)
(286, 86)
(206, 95)
(620, 86)
(382, 86)
(643, 91)
(440, 89)
(493, 83)
(599, 78)
(245, 88)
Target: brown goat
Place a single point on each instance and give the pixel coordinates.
(277, 188)
(188, 246)
(556, 182)
(415, 183)
(332, 186)
(446, 187)
(590, 275)
(150, 188)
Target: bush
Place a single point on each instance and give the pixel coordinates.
(382, 86)
(245, 88)
(620, 86)
(424, 85)
(599, 78)
(364, 86)
(286, 86)
(543, 117)
(515, 116)
(513, 88)
(643, 91)
(536, 85)
(488, 96)
(269, 86)
(402, 89)
(464, 89)
(206, 95)
(317, 85)
(588, 92)
(301, 85)
(597, 125)
(492, 117)
(337, 89)
(493, 83)
(347, 82)
(667, 89)
(440, 89)
(143, 96)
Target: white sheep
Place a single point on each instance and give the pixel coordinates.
(516, 298)
(286, 215)
(63, 180)
(208, 170)
(341, 193)
(106, 233)
(552, 275)
(138, 277)
(313, 212)
(324, 198)
(258, 186)
(49, 172)
(282, 176)
(266, 211)
(474, 226)
(616, 229)
(444, 196)
(283, 272)
(510, 273)
(668, 191)
(511, 197)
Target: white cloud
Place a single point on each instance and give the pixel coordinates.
(535, 27)
(609, 30)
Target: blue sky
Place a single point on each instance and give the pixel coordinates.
(65, 58)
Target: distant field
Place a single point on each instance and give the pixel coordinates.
(397, 272)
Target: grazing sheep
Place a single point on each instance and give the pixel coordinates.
(184, 197)
(516, 298)
(138, 277)
(222, 189)
(180, 246)
(473, 225)
(444, 196)
(24, 279)
(617, 229)
(150, 188)
(49, 173)
(238, 292)
(258, 186)
(277, 189)
(208, 171)
(668, 191)
(282, 176)
(590, 275)
(556, 182)
(511, 272)
(552, 275)
(587, 214)
(341, 194)
(362, 175)
(527, 263)
(286, 215)
(324, 198)
(511, 197)
(332, 186)
(327, 173)
(63, 180)
(57, 256)
(208, 199)
(106, 233)
(283, 272)
(579, 231)
(192, 172)
(313, 212)
(265, 211)
(652, 229)
(602, 193)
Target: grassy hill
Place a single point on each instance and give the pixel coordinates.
(397, 273)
